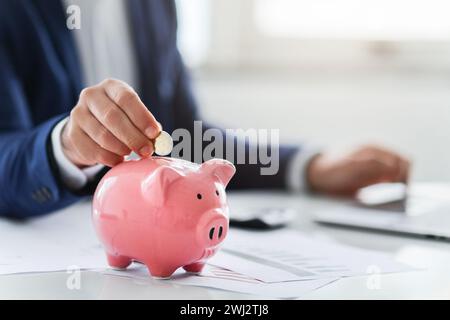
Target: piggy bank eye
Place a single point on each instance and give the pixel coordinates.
(217, 192)
(199, 196)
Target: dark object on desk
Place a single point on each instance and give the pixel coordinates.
(264, 219)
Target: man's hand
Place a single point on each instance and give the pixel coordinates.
(108, 123)
(366, 166)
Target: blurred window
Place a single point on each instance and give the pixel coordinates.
(193, 30)
(357, 34)
(360, 19)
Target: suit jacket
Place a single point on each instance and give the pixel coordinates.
(40, 81)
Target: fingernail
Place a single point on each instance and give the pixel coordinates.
(145, 151)
(152, 132)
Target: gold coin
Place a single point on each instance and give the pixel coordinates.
(163, 144)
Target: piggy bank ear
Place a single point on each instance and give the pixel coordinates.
(222, 169)
(155, 187)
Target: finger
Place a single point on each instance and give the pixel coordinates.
(396, 167)
(384, 160)
(401, 165)
(405, 167)
(92, 153)
(128, 100)
(366, 172)
(117, 122)
(375, 150)
(97, 132)
(392, 168)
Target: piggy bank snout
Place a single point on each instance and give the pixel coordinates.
(212, 229)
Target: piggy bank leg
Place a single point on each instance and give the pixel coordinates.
(161, 272)
(196, 267)
(118, 262)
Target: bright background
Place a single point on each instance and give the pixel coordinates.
(332, 72)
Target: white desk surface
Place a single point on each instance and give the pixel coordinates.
(433, 282)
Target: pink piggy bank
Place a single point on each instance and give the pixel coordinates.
(165, 213)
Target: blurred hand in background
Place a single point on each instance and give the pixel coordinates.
(365, 166)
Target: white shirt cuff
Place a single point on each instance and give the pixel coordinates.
(72, 176)
(297, 167)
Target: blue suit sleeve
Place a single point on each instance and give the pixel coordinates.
(28, 185)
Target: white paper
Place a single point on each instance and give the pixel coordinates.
(219, 278)
(304, 257)
(251, 268)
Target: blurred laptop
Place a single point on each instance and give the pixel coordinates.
(391, 207)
